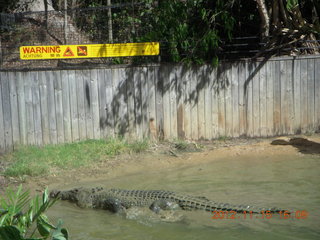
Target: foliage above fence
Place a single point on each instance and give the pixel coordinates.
(194, 31)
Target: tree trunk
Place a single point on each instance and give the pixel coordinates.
(284, 14)
(265, 20)
(33, 6)
(275, 16)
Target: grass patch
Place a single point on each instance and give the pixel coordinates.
(181, 144)
(139, 146)
(36, 161)
(185, 146)
(223, 138)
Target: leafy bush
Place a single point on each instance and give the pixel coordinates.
(19, 214)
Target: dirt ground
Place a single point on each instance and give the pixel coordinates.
(167, 155)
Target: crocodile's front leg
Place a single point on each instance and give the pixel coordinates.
(112, 204)
(163, 204)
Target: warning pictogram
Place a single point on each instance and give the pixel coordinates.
(82, 51)
(68, 52)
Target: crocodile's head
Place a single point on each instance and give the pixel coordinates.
(82, 197)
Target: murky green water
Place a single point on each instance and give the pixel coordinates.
(289, 183)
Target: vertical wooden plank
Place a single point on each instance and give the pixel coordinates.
(208, 101)
(119, 101)
(29, 108)
(159, 101)
(290, 95)
(235, 100)
(58, 105)
(277, 100)
(194, 104)
(22, 77)
(284, 98)
(115, 101)
(249, 98)
(151, 103)
(88, 103)
(242, 98)
(317, 94)
(304, 94)
(109, 97)
(2, 129)
(73, 95)
(52, 107)
(228, 100)
(187, 78)
(297, 97)
(263, 101)
(201, 80)
(180, 94)
(215, 102)
(130, 102)
(66, 106)
(311, 95)
(144, 101)
(173, 102)
(81, 104)
(123, 103)
(166, 101)
(95, 103)
(7, 122)
(102, 103)
(270, 100)
(256, 98)
(13, 80)
(43, 91)
(36, 109)
(221, 87)
(137, 101)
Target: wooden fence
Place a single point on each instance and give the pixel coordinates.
(279, 96)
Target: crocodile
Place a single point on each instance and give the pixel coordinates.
(118, 200)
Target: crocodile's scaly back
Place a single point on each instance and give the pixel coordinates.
(186, 202)
(115, 199)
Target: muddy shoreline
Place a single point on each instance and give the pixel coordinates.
(164, 156)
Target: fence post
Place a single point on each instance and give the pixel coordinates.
(110, 22)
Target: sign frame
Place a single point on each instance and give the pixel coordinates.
(89, 51)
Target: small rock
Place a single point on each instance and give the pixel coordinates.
(281, 141)
(300, 142)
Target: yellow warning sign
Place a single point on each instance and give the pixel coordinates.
(89, 51)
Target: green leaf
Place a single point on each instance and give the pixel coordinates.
(215, 61)
(3, 220)
(291, 4)
(45, 196)
(3, 212)
(10, 233)
(44, 226)
(60, 233)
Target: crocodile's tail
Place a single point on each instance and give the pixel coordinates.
(210, 206)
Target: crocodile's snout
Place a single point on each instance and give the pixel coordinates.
(55, 194)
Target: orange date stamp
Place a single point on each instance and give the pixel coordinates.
(303, 214)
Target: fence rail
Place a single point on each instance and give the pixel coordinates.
(279, 96)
